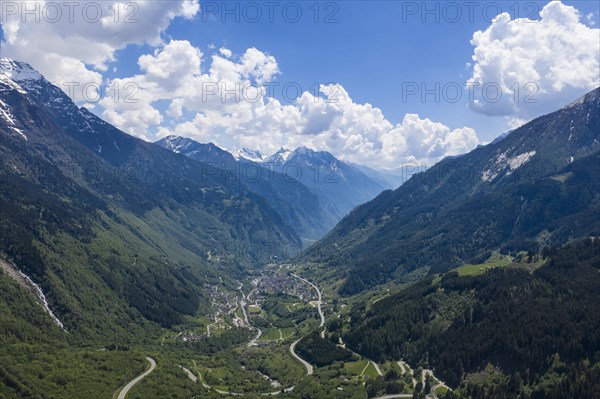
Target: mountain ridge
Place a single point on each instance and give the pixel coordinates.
(463, 207)
(121, 234)
(312, 189)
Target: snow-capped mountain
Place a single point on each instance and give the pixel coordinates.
(19, 72)
(341, 185)
(20, 77)
(294, 202)
(89, 129)
(279, 157)
(248, 154)
(201, 152)
(304, 154)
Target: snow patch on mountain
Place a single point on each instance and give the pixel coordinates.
(248, 154)
(8, 117)
(21, 133)
(6, 81)
(18, 71)
(280, 157)
(502, 162)
(20, 76)
(176, 144)
(515, 163)
(586, 98)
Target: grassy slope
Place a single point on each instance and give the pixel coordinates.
(495, 260)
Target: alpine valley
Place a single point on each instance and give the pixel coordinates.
(212, 273)
(309, 189)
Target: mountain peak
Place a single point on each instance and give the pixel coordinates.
(318, 157)
(592, 96)
(305, 151)
(177, 143)
(18, 71)
(284, 155)
(248, 154)
(281, 156)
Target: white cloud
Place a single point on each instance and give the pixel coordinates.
(220, 98)
(258, 66)
(537, 65)
(172, 66)
(173, 74)
(231, 108)
(69, 41)
(225, 52)
(422, 140)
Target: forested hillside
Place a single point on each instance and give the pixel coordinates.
(116, 231)
(536, 187)
(507, 333)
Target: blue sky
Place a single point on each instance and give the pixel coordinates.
(373, 50)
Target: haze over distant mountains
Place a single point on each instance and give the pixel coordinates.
(311, 189)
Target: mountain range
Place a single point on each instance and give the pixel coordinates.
(105, 222)
(128, 244)
(536, 187)
(312, 190)
(343, 185)
(84, 205)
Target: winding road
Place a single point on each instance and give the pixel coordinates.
(319, 301)
(137, 379)
(190, 375)
(246, 320)
(440, 384)
(309, 367)
(403, 366)
(195, 379)
(406, 368)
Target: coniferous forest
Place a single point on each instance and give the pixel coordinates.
(537, 334)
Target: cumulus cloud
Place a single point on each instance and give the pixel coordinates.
(173, 73)
(220, 97)
(422, 140)
(172, 66)
(530, 67)
(230, 104)
(225, 52)
(77, 40)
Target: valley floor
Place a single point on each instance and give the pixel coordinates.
(261, 324)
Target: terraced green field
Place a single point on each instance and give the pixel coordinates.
(495, 260)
